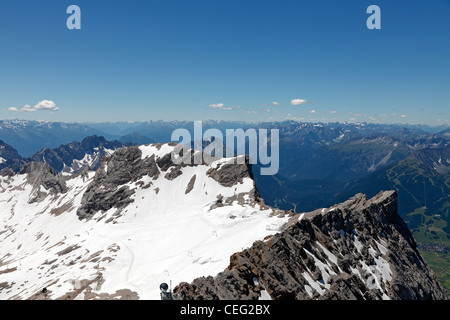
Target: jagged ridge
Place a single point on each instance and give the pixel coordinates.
(360, 249)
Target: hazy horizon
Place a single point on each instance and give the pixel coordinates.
(236, 121)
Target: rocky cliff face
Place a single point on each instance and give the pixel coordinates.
(359, 249)
(44, 180)
(108, 189)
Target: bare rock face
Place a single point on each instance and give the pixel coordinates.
(41, 174)
(230, 174)
(107, 190)
(360, 249)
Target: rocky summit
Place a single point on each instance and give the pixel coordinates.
(359, 249)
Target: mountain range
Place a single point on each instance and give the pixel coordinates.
(320, 165)
(71, 158)
(140, 220)
(29, 137)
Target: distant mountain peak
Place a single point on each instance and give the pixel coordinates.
(75, 156)
(9, 157)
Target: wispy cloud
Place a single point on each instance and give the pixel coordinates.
(275, 103)
(14, 109)
(220, 106)
(289, 117)
(298, 102)
(312, 111)
(28, 108)
(333, 111)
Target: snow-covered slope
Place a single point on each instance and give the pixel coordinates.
(119, 232)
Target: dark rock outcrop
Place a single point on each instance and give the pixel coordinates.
(230, 174)
(39, 175)
(107, 190)
(360, 249)
(126, 165)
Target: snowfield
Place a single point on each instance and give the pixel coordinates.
(166, 234)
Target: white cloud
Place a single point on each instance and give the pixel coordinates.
(298, 102)
(220, 106)
(333, 111)
(274, 103)
(403, 116)
(312, 111)
(46, 105)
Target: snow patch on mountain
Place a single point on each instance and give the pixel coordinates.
(163, 234)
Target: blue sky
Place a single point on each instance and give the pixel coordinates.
(226, 59)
